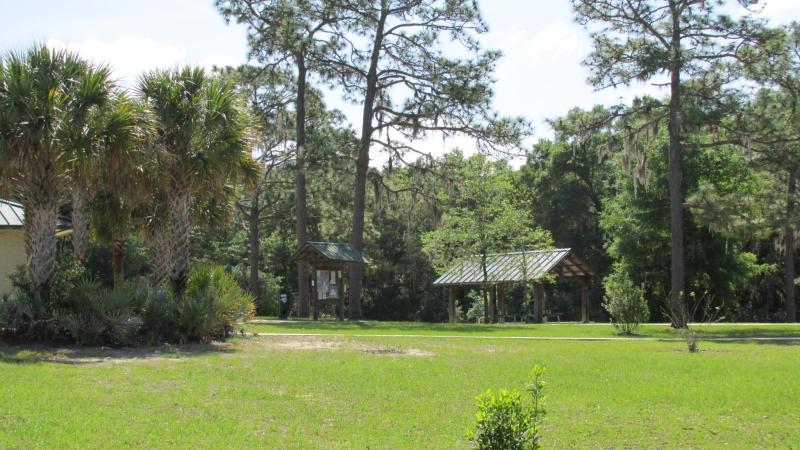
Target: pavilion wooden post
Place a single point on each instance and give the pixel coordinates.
(585, 299)
(451, 304)
(314, 291)
(493, 304)
(501, 303)
(538, 302)
(340, 292)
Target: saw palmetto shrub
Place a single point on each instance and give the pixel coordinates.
(212, 304)
(27, 313)
(101, 315)
(82, 310)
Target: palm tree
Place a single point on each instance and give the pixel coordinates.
(120, 184)
(83, 145)
(201, 134)
(45, 95)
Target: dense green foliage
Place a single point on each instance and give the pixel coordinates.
(694, 191)
(625, 303)
(85, 310)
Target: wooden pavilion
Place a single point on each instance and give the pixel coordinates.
(536, 267)
(328, 261)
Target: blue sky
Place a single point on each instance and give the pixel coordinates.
(540, 76)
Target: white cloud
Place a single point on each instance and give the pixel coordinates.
(778, 12)
(130, 55)
(556, 42)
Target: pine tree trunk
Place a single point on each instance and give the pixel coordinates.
(80, 221)
(254, 251)
(790, 273)
(303, 297)
(677, 265)
(362, 166)
(180, 209)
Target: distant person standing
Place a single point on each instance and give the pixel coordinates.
(283, 307)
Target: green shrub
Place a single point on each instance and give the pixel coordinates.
(99, 315)
(476, 311)
(82, 310)
(24, 315)
(624, 302)
(507, 421)
(212, 304)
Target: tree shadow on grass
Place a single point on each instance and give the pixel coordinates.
(388, 327)
(41, 353)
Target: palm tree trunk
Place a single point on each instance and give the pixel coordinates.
(157, 241)
(118, 261)
(80, 221)
(41, 214)
(180, 208)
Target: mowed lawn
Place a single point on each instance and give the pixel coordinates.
(399, 392)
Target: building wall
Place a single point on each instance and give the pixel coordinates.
(12, 254)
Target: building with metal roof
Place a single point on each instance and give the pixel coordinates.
(329, 252)
(536, 267)
(11, 214)
(515, 267)
(328, 261)
(12, 240)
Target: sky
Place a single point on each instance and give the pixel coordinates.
(540, 76)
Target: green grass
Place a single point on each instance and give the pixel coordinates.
(328, 392)
(720, 330)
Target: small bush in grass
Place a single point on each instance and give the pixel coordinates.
(694, 308)
(507, 421)
(625, 302)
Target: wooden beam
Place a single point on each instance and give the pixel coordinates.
(340, 293)
(315, 291)
(538, 303)
(585, 300)
(493, 304)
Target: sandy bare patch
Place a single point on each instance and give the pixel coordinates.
(297, 343)
(308, 344)
(331, 343)
(398, 351)
(106, 355)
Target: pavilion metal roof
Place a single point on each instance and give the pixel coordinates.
(330, 251)
(508, 268)
(12, 215)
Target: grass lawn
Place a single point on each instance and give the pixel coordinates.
(399, 392)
